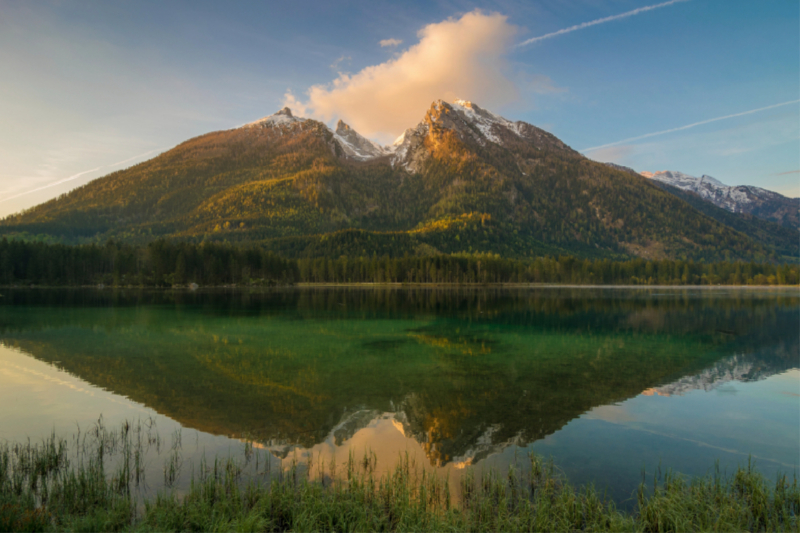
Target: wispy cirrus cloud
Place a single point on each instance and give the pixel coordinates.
(79, 174)
(688, 126)
(597, 21)
(341, 59)
(390, 42)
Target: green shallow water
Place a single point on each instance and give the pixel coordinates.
(607, 382)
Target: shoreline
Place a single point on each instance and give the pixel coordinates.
(536, 286)
(376, 285)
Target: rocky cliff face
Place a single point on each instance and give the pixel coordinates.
(357, 146)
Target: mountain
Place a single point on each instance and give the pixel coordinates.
(464, 180)
(745, 199)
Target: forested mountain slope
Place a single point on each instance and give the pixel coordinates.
(463, 180)
(783, 239)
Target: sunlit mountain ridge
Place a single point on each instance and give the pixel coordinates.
(464, 180)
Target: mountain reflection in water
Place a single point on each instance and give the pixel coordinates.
(465, 374)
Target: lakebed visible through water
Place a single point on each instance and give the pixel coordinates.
(607, 382)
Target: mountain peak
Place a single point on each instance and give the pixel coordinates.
(708, 179)
(356, 145)
(473, 125)
(342, 127)
(279, 118)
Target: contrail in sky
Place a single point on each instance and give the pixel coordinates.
(686, 127)
(79, 174)
(598, 21)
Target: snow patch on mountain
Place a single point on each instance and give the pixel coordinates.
(484, 120)
(708, 188)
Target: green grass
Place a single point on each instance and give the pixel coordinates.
(41, 489)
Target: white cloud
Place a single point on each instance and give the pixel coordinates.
(298, 108)
(390, 42)
(455, 58)
(83, 173)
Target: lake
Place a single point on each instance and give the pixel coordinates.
(612, 384)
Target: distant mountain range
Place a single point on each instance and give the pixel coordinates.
(464, 180)
(739, 199)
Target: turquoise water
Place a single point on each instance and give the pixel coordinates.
(610, 383)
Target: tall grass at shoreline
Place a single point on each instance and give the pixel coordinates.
(55, 486)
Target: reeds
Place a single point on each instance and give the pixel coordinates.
(41, 489)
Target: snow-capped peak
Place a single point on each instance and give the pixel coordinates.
(473, 125)
(282, 117)
(484, 120)
(738, 199)
(683, 181)
(352, 143)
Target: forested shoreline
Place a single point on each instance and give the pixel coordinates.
(170, 263)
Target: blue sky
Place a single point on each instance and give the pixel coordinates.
(92, 87)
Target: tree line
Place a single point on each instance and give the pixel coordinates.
(159, 264)
(165, 263)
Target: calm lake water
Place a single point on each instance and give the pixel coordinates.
(610, 383)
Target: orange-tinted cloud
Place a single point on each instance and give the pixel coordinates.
(456, 58)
